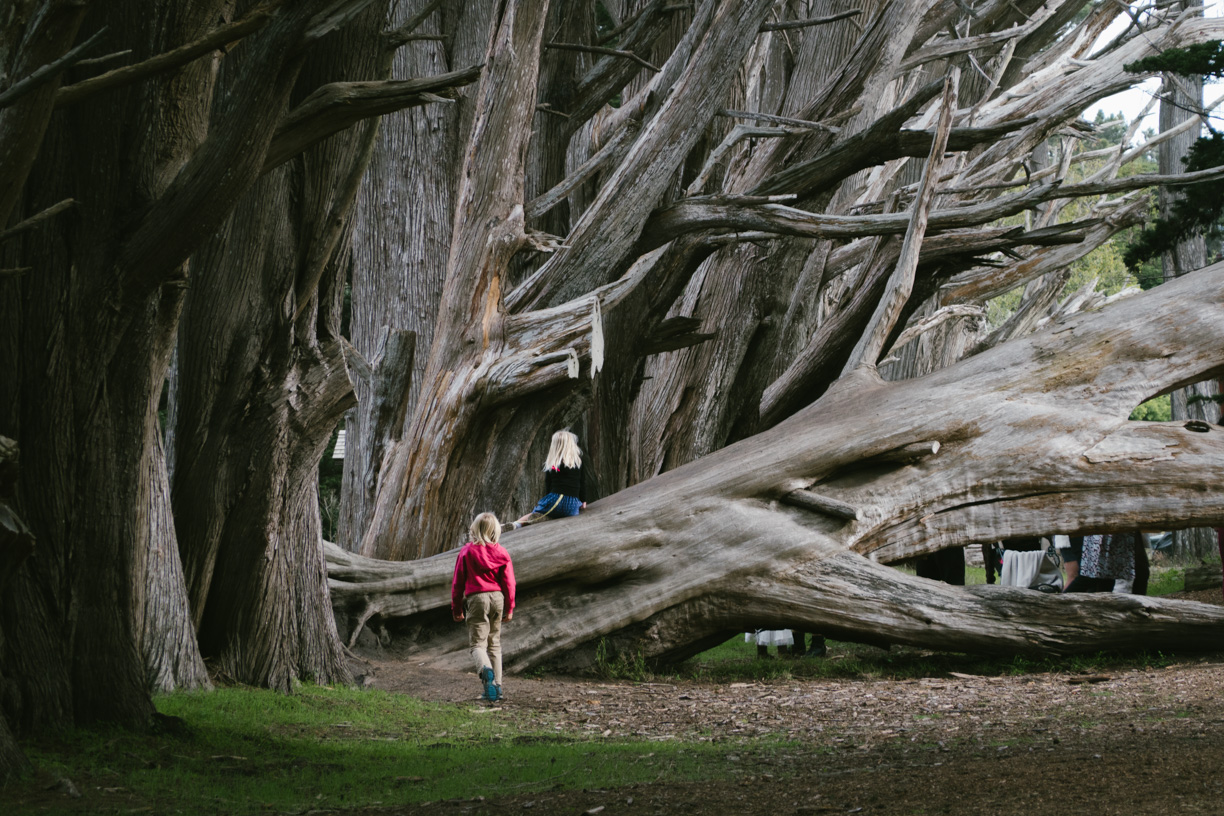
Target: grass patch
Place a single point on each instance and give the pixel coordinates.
(737, 661)
(242, 750)
(1166, 580)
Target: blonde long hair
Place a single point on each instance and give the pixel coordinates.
(485, 529)
(563, 451)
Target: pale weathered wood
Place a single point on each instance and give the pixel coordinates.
(871, 345)
(910, 453)
(610, 227)
(470, 334)
(1206, 576)
(821, 504)
(337, 106)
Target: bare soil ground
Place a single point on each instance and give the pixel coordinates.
(1142, 741)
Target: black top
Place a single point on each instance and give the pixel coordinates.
(567, 481)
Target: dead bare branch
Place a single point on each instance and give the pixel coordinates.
(901, 284)
(656, 8)
(599, 49)
(927, 324)
(809, 22)
(222, 36)
(610, 152)
(48, 72)
(95, 62)
(339, 105)
(598, 242)
(34, 220)
(404, 34)
(781, 120)
(943, 50)
(338, 14)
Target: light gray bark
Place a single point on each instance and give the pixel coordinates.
(1181, 99)
(402, 237)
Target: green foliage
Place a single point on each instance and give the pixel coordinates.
(247, 751)
(1196, 211)
(1105, 263)
(1200, 207)
(1167, 581)
(1108, 131)
(1000, 308)
(1204, 58)
(1159, 409)
(604, 21)
(1148, 273)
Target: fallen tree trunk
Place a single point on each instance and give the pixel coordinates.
(1034, 439)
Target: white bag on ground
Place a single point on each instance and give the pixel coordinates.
(1031, 570)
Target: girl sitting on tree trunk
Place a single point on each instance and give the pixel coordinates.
(564, 485)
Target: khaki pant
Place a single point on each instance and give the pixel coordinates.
(483, 613)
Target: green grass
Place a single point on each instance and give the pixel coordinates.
(242, 750)
(245, 750)
(1164, 581)
(737, 661)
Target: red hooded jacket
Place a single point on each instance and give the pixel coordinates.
(482, 568)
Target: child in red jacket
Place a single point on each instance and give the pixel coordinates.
(482, 593)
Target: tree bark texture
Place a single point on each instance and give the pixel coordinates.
(479, 355)
(97, 617)
(714, 546)
(132, 175)
(16, 545)
(1181, 99)
(402, 236)
(262, 382)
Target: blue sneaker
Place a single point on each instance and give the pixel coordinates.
(494, 693)
(486, 677)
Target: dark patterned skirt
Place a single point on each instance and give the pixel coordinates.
(555, 505)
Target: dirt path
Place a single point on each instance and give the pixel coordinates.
(1134, 742)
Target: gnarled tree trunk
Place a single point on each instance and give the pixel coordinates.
(262, 381)
(709, 289)
(109, 199)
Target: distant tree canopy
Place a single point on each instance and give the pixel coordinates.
(1200, 207)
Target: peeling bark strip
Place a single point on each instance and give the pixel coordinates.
(1023, 427)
